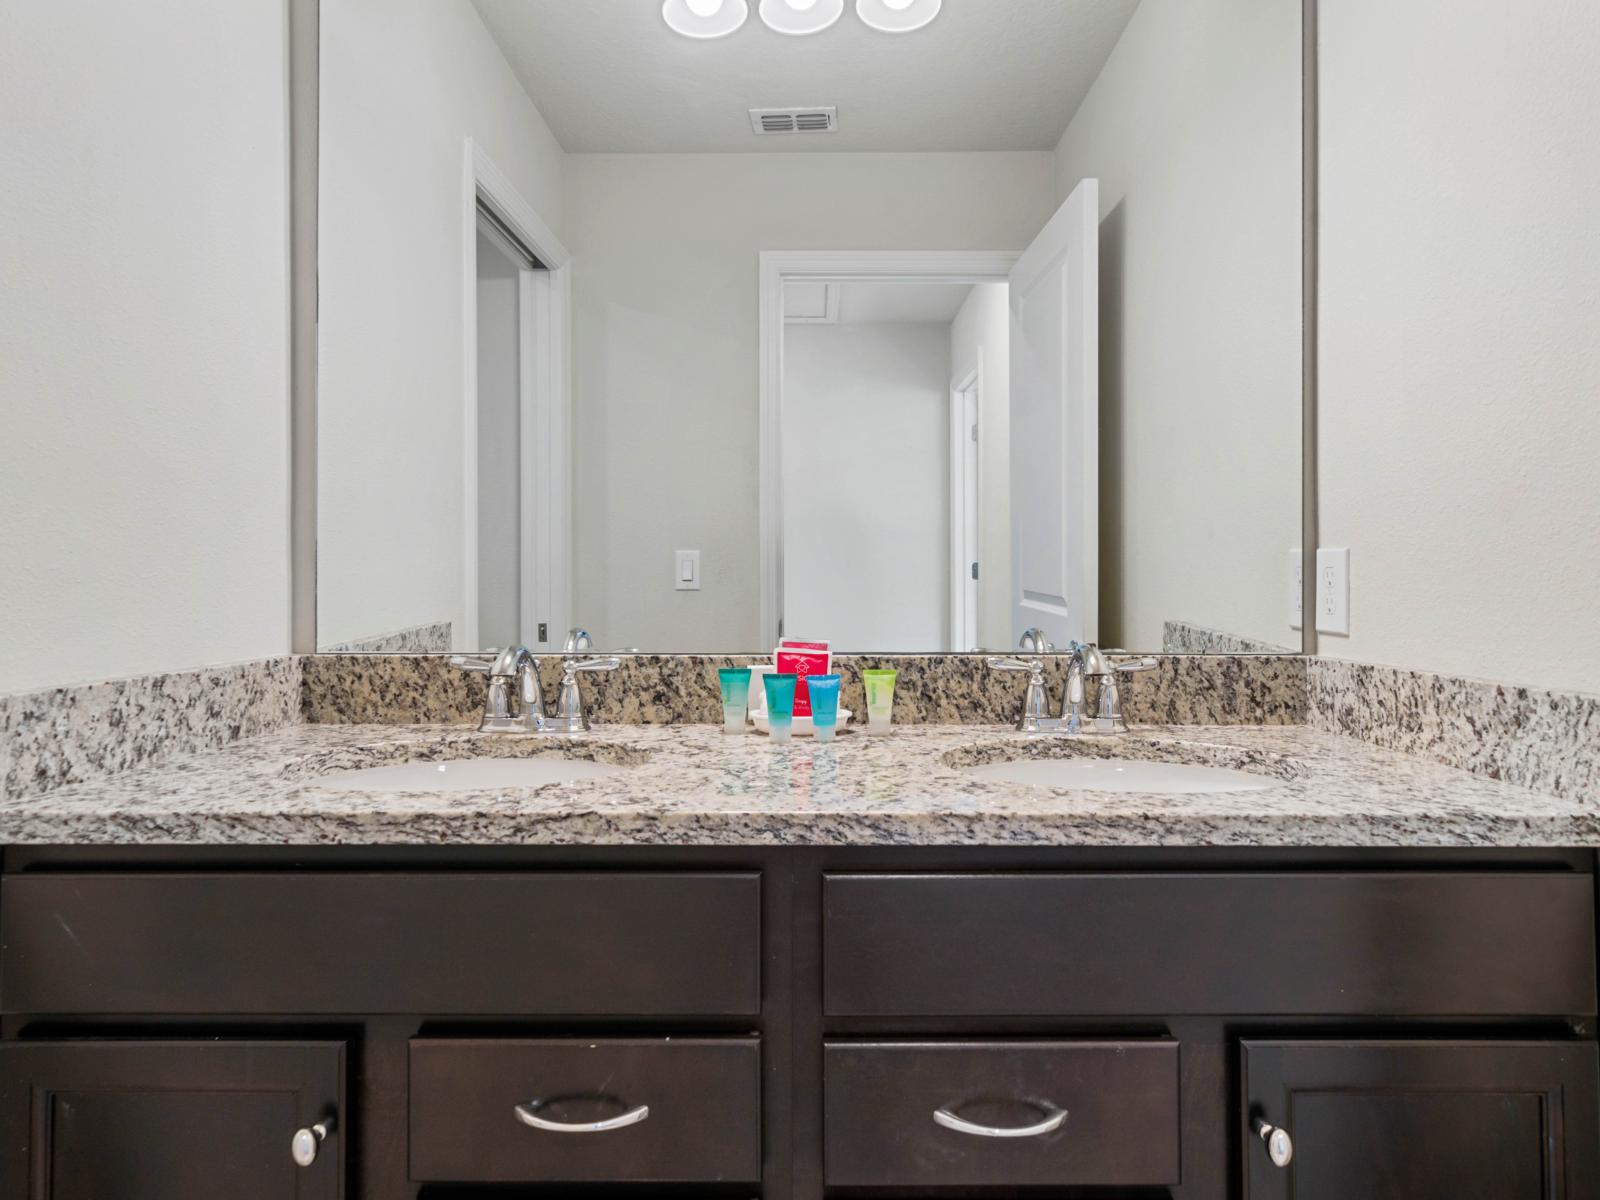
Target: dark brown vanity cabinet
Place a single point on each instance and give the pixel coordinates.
(171, 1120)
(1467, 1120)
(797, 1023)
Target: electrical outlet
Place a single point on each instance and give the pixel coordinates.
(1297, 590)
(1333, 591)
(686, 570)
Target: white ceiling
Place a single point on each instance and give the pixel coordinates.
(890, 303)
(608, 75)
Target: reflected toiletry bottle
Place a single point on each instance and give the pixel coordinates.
(880, 699)
(824, 705)
(735, 682)
(780, 705)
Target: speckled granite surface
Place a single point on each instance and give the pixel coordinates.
(436, 638)
(657, 689)
(1185, 637)
(1538, 739)
(69, 734)
(690, 785)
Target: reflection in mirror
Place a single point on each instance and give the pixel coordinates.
(1000, 333)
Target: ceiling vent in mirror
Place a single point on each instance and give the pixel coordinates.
(794, 120)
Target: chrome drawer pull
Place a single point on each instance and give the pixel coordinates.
(1056, 1119)
(528, 1114)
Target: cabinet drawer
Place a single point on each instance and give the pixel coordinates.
(1317, 944)
(1468, 1120)
(236, 944)
(679, 1110)
(1120, 1101)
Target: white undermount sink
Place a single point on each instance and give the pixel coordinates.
(467, 775)
(1120, 775)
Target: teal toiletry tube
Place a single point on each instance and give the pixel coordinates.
(780, 705)
(735, 683)
(824, 705)
(880, 699)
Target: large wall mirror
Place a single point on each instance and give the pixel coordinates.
(910, 341)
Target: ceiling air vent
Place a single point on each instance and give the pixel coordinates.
(794, 120)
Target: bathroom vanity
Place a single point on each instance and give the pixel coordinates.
(739, 970)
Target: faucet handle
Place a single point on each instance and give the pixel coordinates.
(481, 664)
(1146, 663)
(1036, 716)
(609, 662)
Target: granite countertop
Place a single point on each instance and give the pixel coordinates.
(691, 785)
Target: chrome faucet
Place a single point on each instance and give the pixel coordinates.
(569, 715)
(513, 685)
(1088, 663)
(1036, 716)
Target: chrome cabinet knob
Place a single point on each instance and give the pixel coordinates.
(308, 1141)
(1280, 1146)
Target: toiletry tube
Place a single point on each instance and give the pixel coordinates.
(780, 705)
(824, 705)
(735, 683)
(880, 699)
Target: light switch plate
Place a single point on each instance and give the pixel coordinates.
(686, 570)
(1333, 591)
(1297, 591)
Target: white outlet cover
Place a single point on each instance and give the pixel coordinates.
(1296, 590)
(1333, 591)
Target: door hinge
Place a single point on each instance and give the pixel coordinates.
(974, 570)
(974, 433)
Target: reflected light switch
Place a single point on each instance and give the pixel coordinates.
(686, 575)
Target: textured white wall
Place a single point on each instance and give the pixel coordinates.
(1193, 129)
(404, 84)
(666, 256)
(144, 474)
(982, 332)
(866, 485)
(1460, 403)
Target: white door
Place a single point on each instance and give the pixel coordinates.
(1055, 425)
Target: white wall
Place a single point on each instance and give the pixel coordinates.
(665, 350)
(144, 474)
(404, 84)
(1460, 309)
(866, 485)
(1193, 129)
(980, 340)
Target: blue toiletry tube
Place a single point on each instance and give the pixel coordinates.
(735, 684)
(780, 705)
(824, 705)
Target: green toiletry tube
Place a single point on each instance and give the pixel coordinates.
(880, 699)
(780, 705)
(735, 683)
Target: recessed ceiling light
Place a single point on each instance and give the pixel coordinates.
(897, 16)
(799, 17)
(705, 18)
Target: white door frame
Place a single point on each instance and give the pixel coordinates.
(963, 487)
(545, 305)
(842, 266)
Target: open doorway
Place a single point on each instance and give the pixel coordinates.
(516, 299)
(890, 518)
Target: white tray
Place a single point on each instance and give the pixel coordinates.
(802, 725)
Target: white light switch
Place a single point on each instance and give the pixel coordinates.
(687, 573)
(1333, 591)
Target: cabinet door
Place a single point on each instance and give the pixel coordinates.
(170, 1120)
(1421, 1120)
